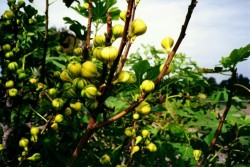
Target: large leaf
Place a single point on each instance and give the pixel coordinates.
(79, 30)
(236, 56)
(140, 69)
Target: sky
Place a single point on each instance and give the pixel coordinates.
(215, 29)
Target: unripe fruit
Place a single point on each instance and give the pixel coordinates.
(52, 92)
(117, 31)
(9, 84)
(35, 157)
(13, 92)
(197, 154)
(129, 132)
(105, 159)
(136, 116)
(109, 54)
(147, 142)
(168, 70)
(58, 118)
(6, 47)
(20, 3)
(138, 27)
(138, 139)
(135, 149)
(79, 83)
(57, 74)
(85, 5)
(23, 142)
(151, 147)
(77, 51)
(57, 103)
(76, 106)
(167, 43)
(8, 14)
(66, 76)
(91, 104)
(71, 93)
(99, 41)
(13, 66)
(143, 108)
(34, 131)
(22, 75)
(123, 15)
(54, 126)
(33, 80)
(147, 86)
(67, 111)
(97, 53)
(125, 77)
(145, 133)
(89, 70)
(90, 91)
(74, 68)
(9, 54)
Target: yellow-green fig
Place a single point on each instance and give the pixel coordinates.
(66, 76)
(122, 77)
(23, 142)
(52, 92)
(109, 54)
(145, 133)
(79, 83)
(6, 47)
(138, 27)
(9, 84)
(13, 92)
(74, 68)
(136, 116)
(123, 15)
(167, 43)
(143, 108)
(13, 66)
(58, 118)
(33, 80)
(99, 41)
(35, 157)
(78, 51)
(89, 70)
(57, 103)
(147, 86)
(97, 53)
(138, 139)
(168, 70)
(151, 147)
(105, 159)
(91, 104)
(117, 31)
(67, 111)
(54, 126)
(197, 154)
(8, 14)
(135, 149)
(9, 54)
(76, 106)
(90, 91)
(34, 130)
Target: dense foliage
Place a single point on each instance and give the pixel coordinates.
(81, 100)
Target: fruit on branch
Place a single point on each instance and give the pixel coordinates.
(135, 149)
(34, 131)
(197, 154)
(66, 76)
(105, 159)
(138, 27)
(99, 41)
(8, 14)
(9, 84)
(20, 3)
(9, 54)
(67, 111)
(35, 157)
(22, 75)
(13, 66)
(74, 68)
(138, 139)
(136, 116)
(97, 53)
(123, 15)
(58, 118)
(79, 83)
(90, 92)
(71, 93)
(168, 70)
(52, 92)
(151, 147)
(23, 142)
(76, 106)
(117, 31)
(129, 132)
(77, 51)
(109, 54)
(91, 104)
(89, 70)
(6, 47)
(143, 108)
(145, 133)
(125, 77)
(147, 86)
(54, 126)
(57, 103)
(137, 2)
(85, 5)
(13, 92)
(167, 43)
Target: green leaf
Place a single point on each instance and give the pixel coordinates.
(140, 69)
(79, 30)
(116, 103)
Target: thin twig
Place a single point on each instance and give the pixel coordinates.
(181, 37)
(222, 119)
